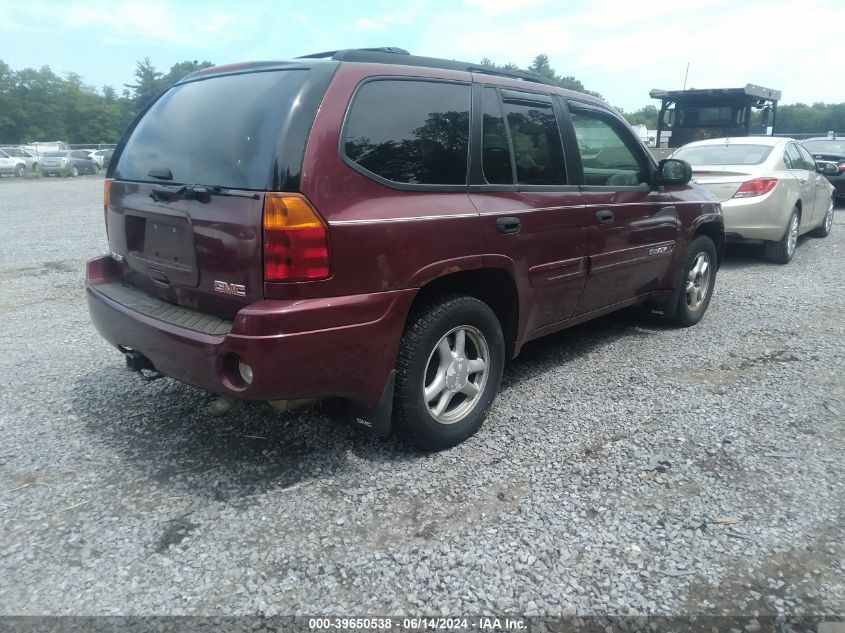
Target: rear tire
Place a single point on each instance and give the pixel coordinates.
(824, 229)
(74, 172)
(697, 282)
(782, 251)
(19, 171)
(448, 371)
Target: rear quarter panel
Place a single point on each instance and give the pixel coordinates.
(381, 238)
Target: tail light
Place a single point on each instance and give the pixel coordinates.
(841, 166)
(106, 189)
(296, 241)
(755, 187)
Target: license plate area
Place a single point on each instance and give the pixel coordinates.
(162, 247)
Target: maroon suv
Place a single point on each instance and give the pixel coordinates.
(384, 228)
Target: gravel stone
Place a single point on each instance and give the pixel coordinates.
(589, 490)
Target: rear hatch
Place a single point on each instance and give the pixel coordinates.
(720, 180)
(185, 206)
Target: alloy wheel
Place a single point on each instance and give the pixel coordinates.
(456, 374)
(793, 235)
(698, 281)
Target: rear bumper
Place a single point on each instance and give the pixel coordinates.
(315, 348)
(761, 218)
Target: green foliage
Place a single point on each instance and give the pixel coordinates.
(38, 105)
(818, 118)
(542, 67)
(644, 116)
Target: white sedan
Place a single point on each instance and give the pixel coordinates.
(770, 189)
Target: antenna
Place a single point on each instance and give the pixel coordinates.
(686, 74)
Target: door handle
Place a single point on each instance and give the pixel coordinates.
(605, 216)
(508, 225)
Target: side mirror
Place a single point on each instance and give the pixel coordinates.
(828, 169)
(673, 171)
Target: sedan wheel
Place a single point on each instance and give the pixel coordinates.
(781, 252)
(827, 224)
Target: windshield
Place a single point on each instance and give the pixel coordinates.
(221, 131)
(826, 147)
(724, 154)
(709, 115)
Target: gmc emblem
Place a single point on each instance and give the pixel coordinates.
(239, 290)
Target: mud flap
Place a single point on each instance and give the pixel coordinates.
(666, 311)
(376, 419)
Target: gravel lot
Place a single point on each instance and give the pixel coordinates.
(625, 467)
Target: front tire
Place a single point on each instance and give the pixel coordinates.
(826, 226)
(697, 282)
(74, 172)
(448, 371)
(19, 170)
(782, 251)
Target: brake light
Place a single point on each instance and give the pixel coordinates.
(296, 241)
(106, 189)
(841, 166)
(755, 187)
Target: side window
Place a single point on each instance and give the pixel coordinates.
(414, 132)
(809, 161)
(537, 148)
(795, 160)
(4, 155)
(606, 153)
(787, 160)
(495, 149)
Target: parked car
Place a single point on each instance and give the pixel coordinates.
(67, 163)
(830, 151)
(97, 158)
(105, 156)
(30, 160)
(392, 239)
(11, 164)
(770, 190)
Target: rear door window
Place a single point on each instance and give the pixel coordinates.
(495, 149)
(410, 131)
(535, 137)
(221, 131)
(609, 153)
(809, 161)
(795, 160)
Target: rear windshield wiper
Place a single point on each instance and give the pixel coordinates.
(194, 192)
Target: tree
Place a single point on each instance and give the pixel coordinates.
(147, 84)
(541, 66)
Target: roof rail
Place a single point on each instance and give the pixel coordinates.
(395, 55)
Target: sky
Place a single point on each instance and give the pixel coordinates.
(619, 48)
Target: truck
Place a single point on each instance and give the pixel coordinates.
(695, 115)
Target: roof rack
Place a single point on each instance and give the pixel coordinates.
(395, 55)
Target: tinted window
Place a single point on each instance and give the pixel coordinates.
(54, 154)
(607, 153)
(413, 132)
(707, 116)
(220, 131)
(496, 153)
(81, 154)
(537, 149)
(795, 160)
(4, 155)
(826, 147)
(733, 154)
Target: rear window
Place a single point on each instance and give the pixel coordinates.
(826, 147)
(413, 132)
(54, 154)
(221, 131)
(739, 154)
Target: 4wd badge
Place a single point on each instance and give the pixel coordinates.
(239, 290)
